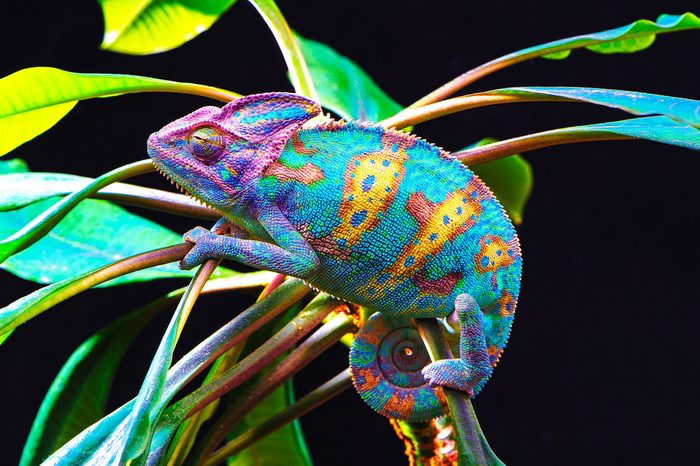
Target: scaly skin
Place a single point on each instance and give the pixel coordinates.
(370, 215)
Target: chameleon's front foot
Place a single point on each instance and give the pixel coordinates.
(203, 249)
(473, 365)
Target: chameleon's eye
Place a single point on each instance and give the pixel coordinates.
(206, 144)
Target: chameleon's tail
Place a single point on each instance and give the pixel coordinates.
(386, 359)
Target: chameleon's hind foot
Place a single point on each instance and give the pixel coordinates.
(452, 373)
(473, 365)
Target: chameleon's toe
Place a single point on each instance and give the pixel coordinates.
(452, 373)
(197, 234)
(202, 249)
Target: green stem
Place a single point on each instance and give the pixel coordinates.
(234, 332)
(39, 301)
(414, 116)
(205, 91)
(298, 71)
(151, 401)
(188, 430)
(156, 199)
(473, 448)
(511, 59)
(307, 351)
(519, 145)
(43, 223)
(312, 400)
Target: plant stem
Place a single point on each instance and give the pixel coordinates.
(473, 447)
(500, 149)
(318, 342)
(205, 91)
(310, 401)
(44, 298)
(188, 430)
(511, 59)
(290, 334)
(235, 331)
(150, 401)
(156, 199)
(413, 116)
(44, 222)
(298, 71)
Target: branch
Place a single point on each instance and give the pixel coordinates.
(473, 447)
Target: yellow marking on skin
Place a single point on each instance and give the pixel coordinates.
(498, 252)
(438, 222)
(371, 182)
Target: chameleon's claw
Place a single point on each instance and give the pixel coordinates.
(452, 373)
(196, 234)
(202, 250)
(446, 324)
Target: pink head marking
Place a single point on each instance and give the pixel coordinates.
(216, 153)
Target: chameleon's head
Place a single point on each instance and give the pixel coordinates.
(215, 154)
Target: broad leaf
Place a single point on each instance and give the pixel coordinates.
(284, 446)
(34, 99)
(658, 129)
(344, 87)
(638, 103)
(630, 38)
(141, 27)
(92, 235)
(78, 396)
(510, 179)
(12, 166)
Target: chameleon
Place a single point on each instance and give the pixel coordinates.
(370, 215)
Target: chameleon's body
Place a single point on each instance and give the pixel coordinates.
(374, 216)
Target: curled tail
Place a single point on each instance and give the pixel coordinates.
(386, 360)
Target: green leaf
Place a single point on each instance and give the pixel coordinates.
(510, 179)
(34, 99)
(659, 129)
(139, 27)
(78, 396)
(630, 38)
(284, 446)
(12, 166)
(637, 103)
(344, 87)
(92, 235)
(19, 190)
(296, 65)
(153, 396)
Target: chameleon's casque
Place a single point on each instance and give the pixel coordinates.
(371, 215)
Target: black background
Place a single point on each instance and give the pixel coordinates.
(601, 367)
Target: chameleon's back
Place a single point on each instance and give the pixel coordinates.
(398, 224)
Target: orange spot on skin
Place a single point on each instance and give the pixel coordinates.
(305, 175)
(442, 286)
(299, 146)
(399, 405)
(494, 350)
(494, 254)
(506, 304)
(366, 380)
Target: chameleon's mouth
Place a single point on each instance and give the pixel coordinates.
(179, 187)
